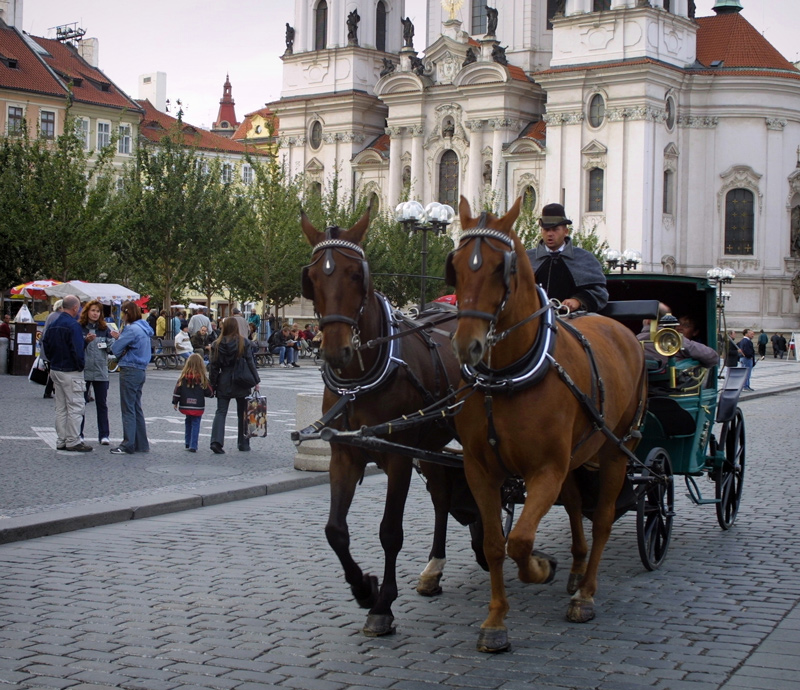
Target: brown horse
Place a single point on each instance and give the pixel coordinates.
(529, 422)
(383, 383)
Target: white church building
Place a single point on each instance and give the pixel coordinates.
(675, 135)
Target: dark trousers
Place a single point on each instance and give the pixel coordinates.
(101, 402)
(218, 427)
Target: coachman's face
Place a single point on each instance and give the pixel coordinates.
(554, 237)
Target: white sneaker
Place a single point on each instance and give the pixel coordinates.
(105, 441)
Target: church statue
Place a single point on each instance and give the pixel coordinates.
(692, 9)
(289, 39)
(499, 54)
(388, 67)
(491, 20)
(352, 28)
(471, 57)
(794, 249)
(408, 33)
(417, 66)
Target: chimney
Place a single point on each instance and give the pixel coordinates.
(11, 12)
(153, 87)
(89, 50)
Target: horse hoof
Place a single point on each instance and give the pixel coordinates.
(580, 611)
(574, 582)
(493, 640)
(428, 585)
(553, 565)
(367, 594)
(379, 624)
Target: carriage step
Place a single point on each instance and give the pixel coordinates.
(695, 495)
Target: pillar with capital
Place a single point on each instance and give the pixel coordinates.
(475, 167)
(417, 162)
(395, 165)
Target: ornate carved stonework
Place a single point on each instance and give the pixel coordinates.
(525, 181)
(640, 112)
(453, 110)
(447, 68)
(697, 122)
(503, 123)
(668, 222)
(669, 263)
(594, 155)
(741, 265)
(474, 125)
(554, 118)
(775, 123)
(416, 130)
(671, 157)
(740, 176)
(394, 131)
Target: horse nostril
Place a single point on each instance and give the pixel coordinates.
(475, 351)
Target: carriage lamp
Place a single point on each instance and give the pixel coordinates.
(435, 218)
(627, 260)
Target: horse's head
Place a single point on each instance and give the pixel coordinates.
(337, 281)
(481, 268)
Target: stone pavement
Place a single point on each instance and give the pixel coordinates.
(247, 595)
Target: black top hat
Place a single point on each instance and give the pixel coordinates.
(553, 215)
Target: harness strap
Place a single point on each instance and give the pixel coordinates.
(336, 411)
(493, 438)
(370, 344)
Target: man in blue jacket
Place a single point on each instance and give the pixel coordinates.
(64, 343)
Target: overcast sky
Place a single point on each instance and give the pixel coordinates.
(198, 42)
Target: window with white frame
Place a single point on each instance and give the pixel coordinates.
(16, 120)
(47, 124)
(247, 174)
(124, 143)
(596, 189)
(103, 134)
(82, 130)
(227, 173)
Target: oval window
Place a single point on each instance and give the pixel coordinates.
(597, 110)
(316, 135)
(670, 120)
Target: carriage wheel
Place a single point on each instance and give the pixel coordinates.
(730, 477)
(655, 509)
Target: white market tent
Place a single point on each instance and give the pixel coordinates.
(105, 293)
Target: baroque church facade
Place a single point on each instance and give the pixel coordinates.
(668, 133)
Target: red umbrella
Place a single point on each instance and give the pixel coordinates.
(34, 289)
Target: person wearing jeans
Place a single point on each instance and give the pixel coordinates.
(132, 350)
(748, 355)
(281, 344)
(98, 337)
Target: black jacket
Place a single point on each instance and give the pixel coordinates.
(223, 360)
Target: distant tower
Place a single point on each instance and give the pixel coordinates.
(226, 123)
(727, 6)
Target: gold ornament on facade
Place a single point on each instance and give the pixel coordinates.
(452, 7)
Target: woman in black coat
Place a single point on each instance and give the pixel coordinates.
(226, 351)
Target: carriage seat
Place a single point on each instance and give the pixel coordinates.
(675, 420)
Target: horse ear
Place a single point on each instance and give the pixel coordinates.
(312, 235)
(464, 211)
(507, 221)
(357, 232)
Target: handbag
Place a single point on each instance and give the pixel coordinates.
(242, 376)
(39, 372)
(255, 416)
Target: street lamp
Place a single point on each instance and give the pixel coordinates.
(721, 276)
(629, 259)
(435, 218)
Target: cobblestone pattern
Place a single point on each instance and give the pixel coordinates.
(248, 595)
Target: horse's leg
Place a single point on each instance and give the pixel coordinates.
(613, 469)
(543, 487)
(346, 470)
(380, 619)
(493, 636)
(571, 498)
(438, 486)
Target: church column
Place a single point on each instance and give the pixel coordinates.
(577, 7)
(395, 166)
(497, 148)
(304, 27)
(617, 4)
(417, 163)
(475, 165)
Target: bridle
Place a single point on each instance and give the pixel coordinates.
(326, 250)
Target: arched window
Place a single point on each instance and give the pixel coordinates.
(669, 192)
(448, 179)
(321, 26)
(380, 26)
(601, 5)
(479, 16)
(597, 110)
(315, 189)
(529, 199)
(596, 184)
(739, 221)
(316, 135)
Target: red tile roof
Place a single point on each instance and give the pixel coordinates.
(517, 73)
(156, 125)
(380, 144)
(536, 131)
(30, 73)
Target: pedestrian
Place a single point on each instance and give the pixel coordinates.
(189, 398)
(175, 323)
(183, 342)
(98, 337)
(161, 324)
(281, 344)
(733, 353)
(762, 344)
(198, 321)
(775, 349)
(132, 350)
(236, 314)
(781, 346)
(5, 342)
(65, 343)
(748, 358)
(152, 318)
(52, 316)
(233, 376)
(255, 319)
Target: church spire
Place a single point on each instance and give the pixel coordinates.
(226, 121)
(727, 6)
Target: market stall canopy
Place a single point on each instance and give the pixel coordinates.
(35, 289)
(106, 293)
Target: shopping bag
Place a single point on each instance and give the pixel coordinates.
(39, 373)
(255, 416)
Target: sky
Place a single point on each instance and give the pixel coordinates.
(198, 42)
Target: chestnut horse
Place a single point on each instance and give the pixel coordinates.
(381, 384)
(532, 369)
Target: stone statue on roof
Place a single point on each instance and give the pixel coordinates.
(352, 28)
(471, 57)
(289, 39)
(408, 33)
(388, 67)
(491, 21)
(499, 54)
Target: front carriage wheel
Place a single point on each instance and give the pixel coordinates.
(730, 477)
(655, 509)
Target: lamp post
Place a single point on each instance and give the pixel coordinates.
(629, 259)
(435, 218)
(718, 277)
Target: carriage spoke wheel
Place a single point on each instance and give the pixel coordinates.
(730, 477)
(655, 509)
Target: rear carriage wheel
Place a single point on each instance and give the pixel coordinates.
(655, 508)
(730, 477)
